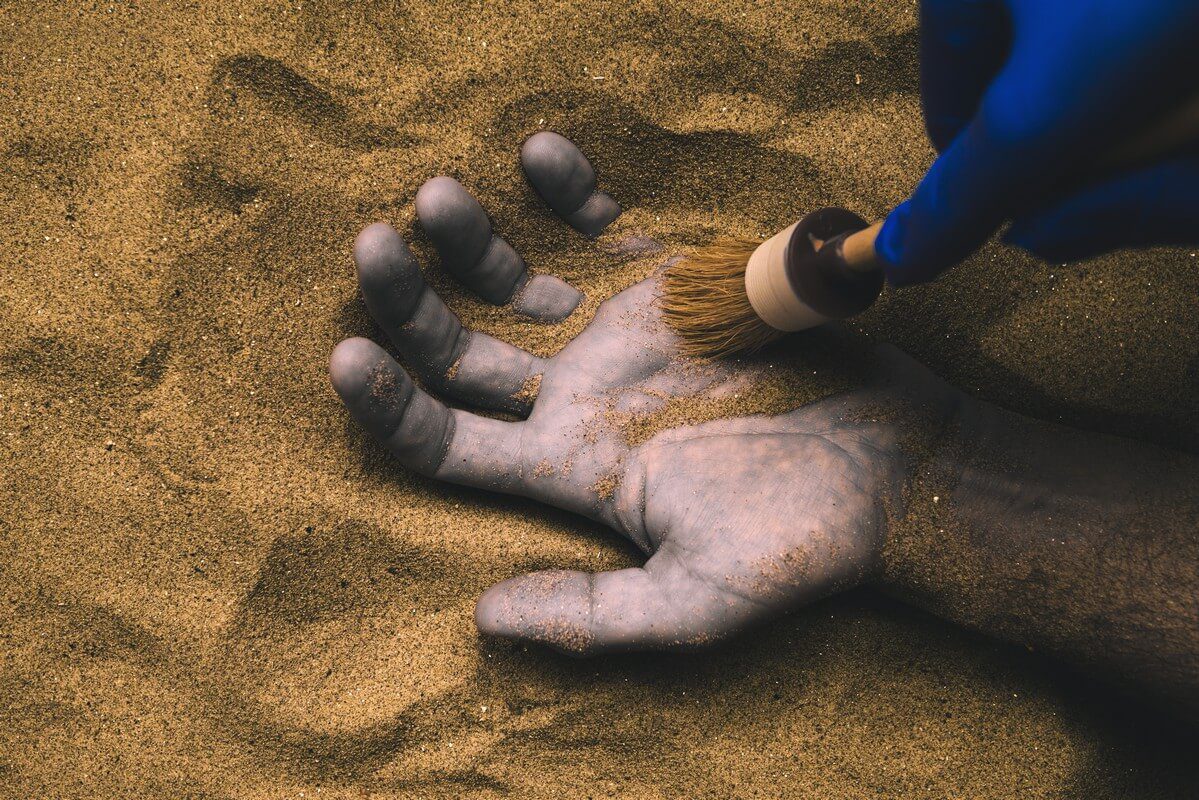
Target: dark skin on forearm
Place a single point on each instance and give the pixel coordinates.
(1079, 544)
(1075, 543)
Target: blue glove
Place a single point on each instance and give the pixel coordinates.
(1023, 99)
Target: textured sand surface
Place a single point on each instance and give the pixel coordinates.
(213, 586)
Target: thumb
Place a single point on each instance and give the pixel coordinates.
(1158, 205)
(585, 614)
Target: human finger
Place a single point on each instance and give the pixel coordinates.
(468, 365)
(564, 178)
(488, 266)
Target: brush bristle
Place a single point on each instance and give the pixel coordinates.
(704, 301)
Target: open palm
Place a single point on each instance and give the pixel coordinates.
(741, 518)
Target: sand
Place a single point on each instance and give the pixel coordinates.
(214, 586)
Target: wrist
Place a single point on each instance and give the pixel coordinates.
(964, 486)
(917, 422)
(940, 432)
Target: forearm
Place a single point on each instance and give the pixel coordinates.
(1083, 545)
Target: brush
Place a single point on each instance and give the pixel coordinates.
(738, 295)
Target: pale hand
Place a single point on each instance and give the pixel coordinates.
(742, 518)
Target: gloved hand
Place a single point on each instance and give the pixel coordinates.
(1025, 100)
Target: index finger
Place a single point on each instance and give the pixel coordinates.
(963, 43)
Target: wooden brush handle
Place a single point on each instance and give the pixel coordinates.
(1169, 135)
(858, 249)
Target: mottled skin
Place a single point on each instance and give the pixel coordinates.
(741, 518)
(480, 258)
(1077, 544)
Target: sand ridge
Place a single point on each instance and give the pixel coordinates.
(215, 586)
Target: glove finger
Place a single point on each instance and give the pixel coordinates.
(1158, 205)
(962, 47)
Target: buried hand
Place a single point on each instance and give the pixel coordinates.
(741, 518)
